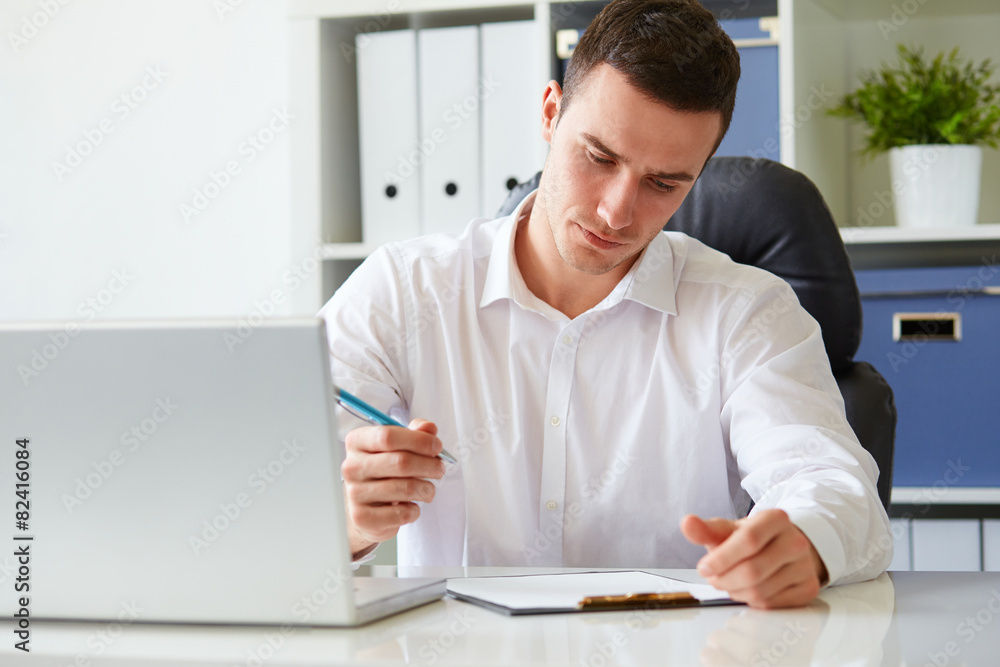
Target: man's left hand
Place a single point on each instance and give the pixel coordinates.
(763, 560)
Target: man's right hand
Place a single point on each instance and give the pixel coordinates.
(385, 470)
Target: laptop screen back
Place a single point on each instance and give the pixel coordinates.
(184, 471)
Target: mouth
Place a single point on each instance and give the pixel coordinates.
(596, 240)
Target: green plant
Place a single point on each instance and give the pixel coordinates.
(946, 101)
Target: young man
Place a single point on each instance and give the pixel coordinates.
(605, 384)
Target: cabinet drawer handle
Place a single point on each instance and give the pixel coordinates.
(927, 326)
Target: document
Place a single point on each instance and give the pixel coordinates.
(584, 591)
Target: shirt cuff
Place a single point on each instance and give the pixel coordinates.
(360, 558)
(826, 542)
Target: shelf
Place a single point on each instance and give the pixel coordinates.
(945, 496)
(887, 235)
(884, 9)
(851, 236)
(390, 8)
(346, 250)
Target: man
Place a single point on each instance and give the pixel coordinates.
(604, 384)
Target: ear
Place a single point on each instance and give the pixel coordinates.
(551, 102)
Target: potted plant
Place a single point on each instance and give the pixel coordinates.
(933, 119)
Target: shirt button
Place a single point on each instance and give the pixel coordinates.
(551, 505)
(568, 339)
(554, 421)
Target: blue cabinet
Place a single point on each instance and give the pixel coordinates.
(934, 334)
(755, 128)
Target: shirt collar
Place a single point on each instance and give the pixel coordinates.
(503, 278)
(650, 281)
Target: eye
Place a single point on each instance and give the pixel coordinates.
(663, 187)
(597, 159)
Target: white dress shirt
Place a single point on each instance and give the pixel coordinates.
(697, 385)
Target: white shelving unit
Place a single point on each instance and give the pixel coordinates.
(823, 44)
(859, 235)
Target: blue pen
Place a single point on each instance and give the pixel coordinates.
(363, 411)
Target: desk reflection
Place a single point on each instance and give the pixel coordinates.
(826, 632)
(904, 618)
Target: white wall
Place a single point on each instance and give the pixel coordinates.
(198, 82)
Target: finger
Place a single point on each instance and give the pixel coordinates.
(796, 594)
(759, 595)
(789, 546)
(738, 646)
(706, 533)
(364, 467)
(423, 425)
(751, 536)
(374, 439)
(378, 523)
(382, 491)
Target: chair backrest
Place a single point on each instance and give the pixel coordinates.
(762, 213)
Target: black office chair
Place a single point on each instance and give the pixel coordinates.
(762, 213)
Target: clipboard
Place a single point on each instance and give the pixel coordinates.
(573, 592)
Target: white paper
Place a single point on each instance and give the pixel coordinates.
(564, 591)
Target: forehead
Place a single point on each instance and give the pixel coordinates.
(607, 106)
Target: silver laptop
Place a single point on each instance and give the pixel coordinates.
(181, 472)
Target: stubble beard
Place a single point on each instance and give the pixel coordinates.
(561, 229)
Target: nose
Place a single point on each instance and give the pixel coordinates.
(618, 201)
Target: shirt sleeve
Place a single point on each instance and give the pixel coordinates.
(784, 418)
(367, 330)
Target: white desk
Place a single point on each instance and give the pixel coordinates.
(911, 618)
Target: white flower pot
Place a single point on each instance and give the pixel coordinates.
(936, 185)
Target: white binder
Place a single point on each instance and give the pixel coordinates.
(450, 99)
(387, 119)
(512, 144)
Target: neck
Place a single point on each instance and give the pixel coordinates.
(551, 279)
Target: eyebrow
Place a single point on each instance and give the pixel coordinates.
(667, 176)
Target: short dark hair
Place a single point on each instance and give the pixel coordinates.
(673, 51)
